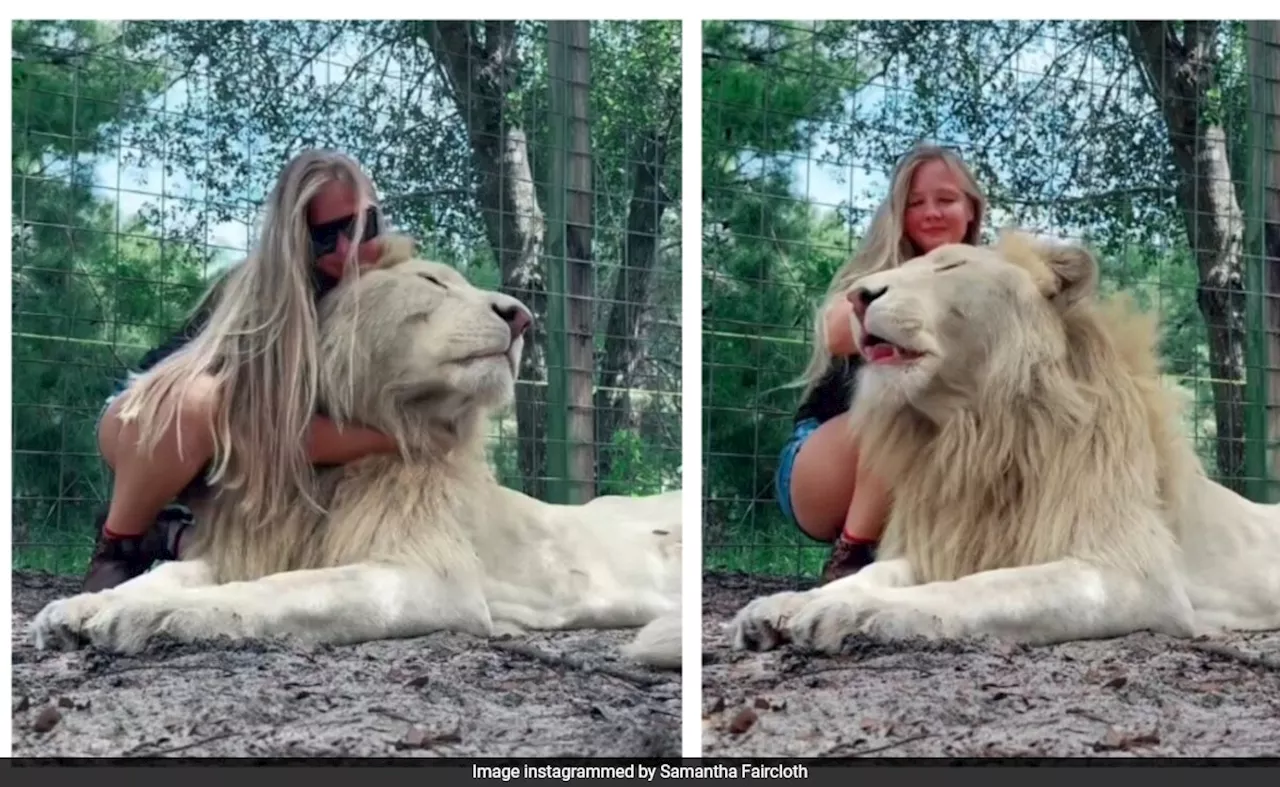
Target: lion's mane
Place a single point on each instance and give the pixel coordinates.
(1031, 460)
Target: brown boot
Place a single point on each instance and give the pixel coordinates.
(847, 557)
(118, 560)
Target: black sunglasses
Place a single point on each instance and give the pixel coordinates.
(324, 237)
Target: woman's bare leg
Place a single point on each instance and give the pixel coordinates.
(833, 503)
(864, 523)
(147, 481)
(868, 511)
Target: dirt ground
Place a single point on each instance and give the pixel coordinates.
(443, 695)
(1142, 695)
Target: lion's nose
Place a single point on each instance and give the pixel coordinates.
(516, 316)
(861, 298)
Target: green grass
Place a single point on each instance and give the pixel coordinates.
(767, 544)
(65, 560)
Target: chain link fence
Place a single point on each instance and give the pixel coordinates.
(1156, 143)
(541, 158)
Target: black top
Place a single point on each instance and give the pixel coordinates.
(830, 397)
(321, 283)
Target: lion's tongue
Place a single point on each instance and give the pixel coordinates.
(881, 352)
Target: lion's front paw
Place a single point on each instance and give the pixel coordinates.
(126, 626)
(825, 623)
(111, 624)
(127, 623)
(761, 624)
(62, 624)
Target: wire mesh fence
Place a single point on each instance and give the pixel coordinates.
(541, 158)
(1156, 143)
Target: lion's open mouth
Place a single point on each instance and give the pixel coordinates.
(878, 350)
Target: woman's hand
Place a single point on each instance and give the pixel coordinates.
(838, 322)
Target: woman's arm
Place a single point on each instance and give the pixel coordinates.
(839, 328)
(329, 445)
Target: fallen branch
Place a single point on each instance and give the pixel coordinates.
(1085, 713)
(183, 747)
(850, 668)
(390, 714)
(876, 749)
(553, 660)
(109, 673)
(1235, 654)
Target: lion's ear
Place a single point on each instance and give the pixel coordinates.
(1075, 272)
(395, 249)
(1064, 273)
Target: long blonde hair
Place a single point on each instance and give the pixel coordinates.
(886, 244)
(260, 345)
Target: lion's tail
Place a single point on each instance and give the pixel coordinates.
(657, 644)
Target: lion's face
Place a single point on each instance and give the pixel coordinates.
(954, 321)
(424, 338)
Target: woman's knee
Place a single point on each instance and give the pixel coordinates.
(199, 399)
(195, 413)
(192, 416)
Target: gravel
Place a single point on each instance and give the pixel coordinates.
(1142, 695)
(443, 695)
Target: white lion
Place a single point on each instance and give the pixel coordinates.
(423, 541)
(1043, 489)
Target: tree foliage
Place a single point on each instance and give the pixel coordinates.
(91, 289)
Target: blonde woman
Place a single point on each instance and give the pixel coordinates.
(933, 200)
(231, 398)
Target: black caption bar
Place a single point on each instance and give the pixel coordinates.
(837, 773)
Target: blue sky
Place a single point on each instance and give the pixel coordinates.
(824, 185)
(132, 187)
(827, 186)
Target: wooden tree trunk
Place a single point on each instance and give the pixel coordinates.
(631, 290)
(481, 74)
(1179, 74)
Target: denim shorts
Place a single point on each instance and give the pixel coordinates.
(782, 479)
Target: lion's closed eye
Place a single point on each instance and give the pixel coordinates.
(434, 280)
(950, 266)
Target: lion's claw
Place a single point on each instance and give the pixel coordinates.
(64, 624)
(762, 624)
(827, 623)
